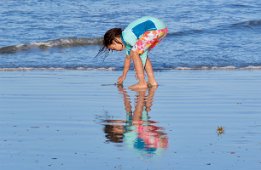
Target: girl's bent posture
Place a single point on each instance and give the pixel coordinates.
(137, 38)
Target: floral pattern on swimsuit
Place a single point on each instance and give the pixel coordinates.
(149, 40)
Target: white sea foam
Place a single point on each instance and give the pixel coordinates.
(54, 69)
(114, 68)
(219, 68)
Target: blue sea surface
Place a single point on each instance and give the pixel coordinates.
(202, 34)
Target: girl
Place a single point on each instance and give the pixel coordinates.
(137, 38)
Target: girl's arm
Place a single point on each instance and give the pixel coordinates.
(127, 63)
(126, 68)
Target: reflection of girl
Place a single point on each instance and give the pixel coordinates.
(114, 130)
(137, 131)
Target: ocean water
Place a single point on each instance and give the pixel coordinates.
(66, 34)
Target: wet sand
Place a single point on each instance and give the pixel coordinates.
(194, 120)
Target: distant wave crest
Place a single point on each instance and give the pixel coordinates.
(247, 24)
(250, 23)
(62, 42)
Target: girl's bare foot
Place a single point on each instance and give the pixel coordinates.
(138, 86)
(151, 84)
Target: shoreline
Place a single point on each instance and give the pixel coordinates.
(203, 68)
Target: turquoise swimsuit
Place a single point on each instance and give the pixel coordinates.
(136, 29)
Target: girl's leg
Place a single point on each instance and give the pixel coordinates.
(139, 72)
(150, 73)
(146, 42)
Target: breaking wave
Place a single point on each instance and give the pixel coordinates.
(62, 42)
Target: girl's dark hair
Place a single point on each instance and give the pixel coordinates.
(108, 38)
(110, 35)
(111, 135)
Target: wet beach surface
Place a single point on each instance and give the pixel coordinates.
(80, 120)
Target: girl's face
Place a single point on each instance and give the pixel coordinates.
(116, 45)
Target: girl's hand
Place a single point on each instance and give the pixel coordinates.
(121, 79)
